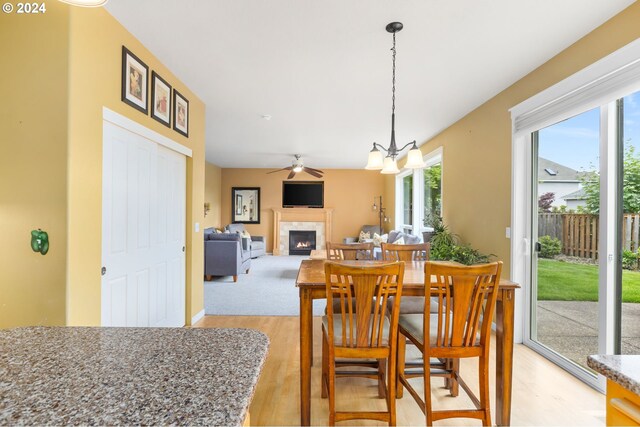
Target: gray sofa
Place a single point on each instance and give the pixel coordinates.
(225, 254)
(256, 243)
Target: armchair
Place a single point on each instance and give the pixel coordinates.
(256, 243)
(225, 254)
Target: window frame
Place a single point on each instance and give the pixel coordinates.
(432, 158)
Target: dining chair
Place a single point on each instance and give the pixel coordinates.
(460, 330)
(362, 330)
(349, 251)
(415, 252)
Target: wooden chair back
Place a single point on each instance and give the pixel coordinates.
(462, 327)
(415, 252)
(362, 324)
(349, 251)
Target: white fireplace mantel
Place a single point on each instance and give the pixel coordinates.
(300, 215)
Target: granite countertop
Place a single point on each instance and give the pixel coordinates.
(116, 376)
(621, 369)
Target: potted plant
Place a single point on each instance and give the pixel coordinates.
(435, 223)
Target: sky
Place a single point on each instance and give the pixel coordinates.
(574, 142)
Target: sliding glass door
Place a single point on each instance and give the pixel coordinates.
(629, 319)
(585, 226)
(565, 261)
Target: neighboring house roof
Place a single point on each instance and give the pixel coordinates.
(552, 171)
(576, 195)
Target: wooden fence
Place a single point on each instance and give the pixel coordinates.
(579, 232)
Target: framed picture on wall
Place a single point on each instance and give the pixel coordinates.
(135, 75)
(245, 205)
(180, 113)
(160, 99)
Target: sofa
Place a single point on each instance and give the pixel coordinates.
(392, 237)
(256, 243)
(225, 254)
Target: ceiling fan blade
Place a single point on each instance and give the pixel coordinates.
(283, 169)
(312, 169)
(313, 172)
(291, 174)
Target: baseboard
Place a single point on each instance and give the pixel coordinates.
(197, 317)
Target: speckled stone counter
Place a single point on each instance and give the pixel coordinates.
(116, 376)
(623, 369)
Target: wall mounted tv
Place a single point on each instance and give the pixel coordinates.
(308, 194)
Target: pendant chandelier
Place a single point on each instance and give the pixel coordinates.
(389, 164)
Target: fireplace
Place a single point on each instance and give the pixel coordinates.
(301, 242)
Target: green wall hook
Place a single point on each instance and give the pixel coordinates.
(39, 241)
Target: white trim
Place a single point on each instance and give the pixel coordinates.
(399, 223)
(433, 158)
(197, 317)
(520, 232)
(610, 78)
(135, 127)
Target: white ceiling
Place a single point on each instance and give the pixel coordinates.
(322, 69)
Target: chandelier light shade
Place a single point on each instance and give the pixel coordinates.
(389, 164)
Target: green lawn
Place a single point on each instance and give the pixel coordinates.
(563, 281)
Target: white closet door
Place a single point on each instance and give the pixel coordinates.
(143, 231)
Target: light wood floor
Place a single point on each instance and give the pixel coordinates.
(544, 395)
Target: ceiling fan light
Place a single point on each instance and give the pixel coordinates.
(297, 168)
(375, 160)
(414, 158)
(390, 166)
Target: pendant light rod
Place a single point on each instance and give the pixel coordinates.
(375, 156)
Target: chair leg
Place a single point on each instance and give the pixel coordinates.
(454, 385)
(428, 410)
(332, 390)
(483, 369)
(325, 363)
(391, 391)
(235, 278)
(382, 373)
(402, 346)
(208, 278)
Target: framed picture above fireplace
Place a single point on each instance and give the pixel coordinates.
(245, 205)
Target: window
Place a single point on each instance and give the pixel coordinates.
(432, 194)
(419, 195)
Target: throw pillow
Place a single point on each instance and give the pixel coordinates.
(400, 241)
(377, 239)
(410, 239)
(364, 237)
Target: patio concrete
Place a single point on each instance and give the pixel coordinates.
(570, 328)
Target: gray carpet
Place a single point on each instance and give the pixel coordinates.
(268, 290)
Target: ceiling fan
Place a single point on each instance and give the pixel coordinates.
(298, 166)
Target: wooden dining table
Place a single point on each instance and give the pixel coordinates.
(311, 285)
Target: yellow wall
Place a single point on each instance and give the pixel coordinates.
(477, 149)
(33, 166)
(349, 192)
(96, 40)
(213, 195)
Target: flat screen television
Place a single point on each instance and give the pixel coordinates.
(308, 194)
